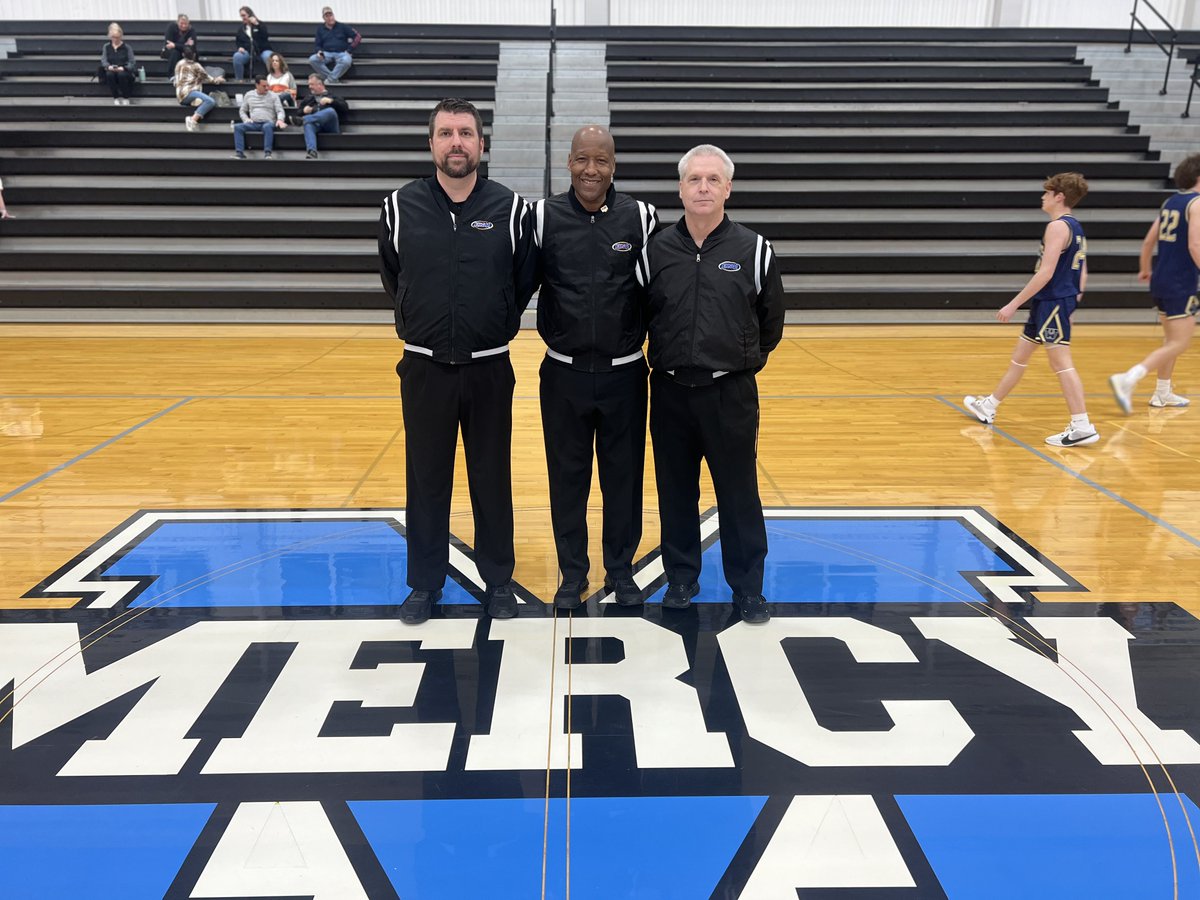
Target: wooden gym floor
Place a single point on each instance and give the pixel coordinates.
(99, 421)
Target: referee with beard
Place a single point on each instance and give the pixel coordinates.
(455, 257)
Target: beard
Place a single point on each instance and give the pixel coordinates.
(457, 168)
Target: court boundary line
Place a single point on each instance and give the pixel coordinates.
(96, 449)
(1079, 476)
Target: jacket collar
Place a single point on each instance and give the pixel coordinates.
(717, 232)
(604, 207)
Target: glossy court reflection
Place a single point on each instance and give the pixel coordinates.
(979, 679)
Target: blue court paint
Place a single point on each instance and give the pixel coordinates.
(98, 852)
(112, 440)
(271, 562)
(1094, 846)
(862, 561)
(635, 848)
(1112, 495)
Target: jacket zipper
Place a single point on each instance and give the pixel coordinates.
(453, 281)
(695, 310)
(592, 297)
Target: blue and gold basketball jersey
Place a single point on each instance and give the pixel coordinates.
(1175, 274)
(1065, 281)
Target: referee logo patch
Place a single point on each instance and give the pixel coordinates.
(481, 225)
(729, 266)
(622, 246)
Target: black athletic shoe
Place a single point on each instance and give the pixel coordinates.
(311, 154)
(501, 602)
(568, 595)
(753, 608)
(417, 605)
(679, 596)
(624, 590)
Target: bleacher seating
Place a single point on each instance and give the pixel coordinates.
(891, 169)
(120, 206)
(894, 169)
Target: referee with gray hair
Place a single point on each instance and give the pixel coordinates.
(716, 312)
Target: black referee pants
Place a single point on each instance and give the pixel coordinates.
(718, 423)
(437, 398)
(607, 411)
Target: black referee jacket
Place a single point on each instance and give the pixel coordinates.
(592, 270)
(458, 282)
(716, 308)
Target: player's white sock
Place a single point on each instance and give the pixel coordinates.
(991, 401)
(1080, 422)
(1163, 387)
(1137, 373)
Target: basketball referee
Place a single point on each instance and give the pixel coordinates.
(591, 314)
(455, 257)
(716, 312)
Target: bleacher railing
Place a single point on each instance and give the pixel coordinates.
(1168, 49)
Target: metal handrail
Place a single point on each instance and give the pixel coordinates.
(1169, 51)
(550, 98)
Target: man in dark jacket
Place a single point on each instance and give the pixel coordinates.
(591, 314)
(322, 112)
(455, 257)
(716, 311)
(333, 42)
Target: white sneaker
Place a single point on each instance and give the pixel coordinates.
(1073, 438)
(190, 124)
(980, 409)
(1158, 400)
(1122, 388)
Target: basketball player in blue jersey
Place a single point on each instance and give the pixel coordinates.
(1173, 287)
(1055, 289)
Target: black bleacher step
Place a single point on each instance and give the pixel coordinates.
(632, 137)
(666, 115)
(1033, 169)
(957, 263)
(231, 227)
(269, 191)
(203, 255)
(157, 68)
(848, 52)
(212, 48)
(980, 195)
(788, 93)
(934, 298)
(186, 296)
(290, 164)
(170, 112)
(212, 136)
(223, 30)
(350, 91)
(950, 73)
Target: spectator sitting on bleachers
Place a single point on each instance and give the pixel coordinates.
(322, 112)
(251, 37)
(4, 213)
(260, 111)
(190, 79)
(333, 44)
(280, 80)
(117, 65)
(180, 34)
